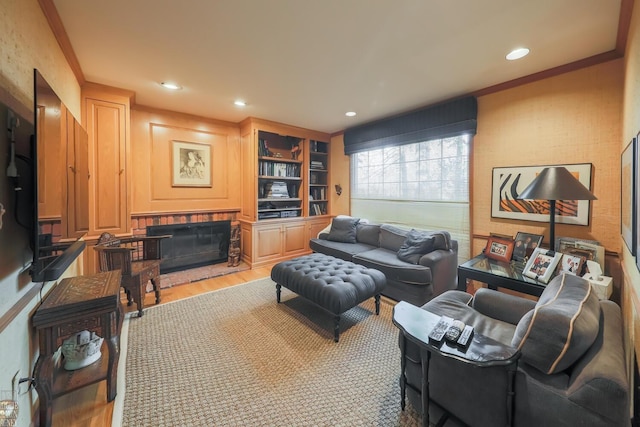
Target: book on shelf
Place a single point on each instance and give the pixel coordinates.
(316, 164)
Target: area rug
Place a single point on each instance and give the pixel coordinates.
(235, 357)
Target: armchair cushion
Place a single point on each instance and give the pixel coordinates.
(343, 229)
(561, 327)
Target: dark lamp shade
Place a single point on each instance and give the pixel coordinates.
(556, 183)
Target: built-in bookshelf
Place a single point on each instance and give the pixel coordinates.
(318, 178)
(279, 176)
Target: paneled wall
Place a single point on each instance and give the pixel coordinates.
(152, 135)
(571, 118)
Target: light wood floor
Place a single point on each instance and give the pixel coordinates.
(88, 407)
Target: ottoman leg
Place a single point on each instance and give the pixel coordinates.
(278, 286)
(336, 328)
(377, 303)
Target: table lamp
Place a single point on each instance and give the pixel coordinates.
(555, 183)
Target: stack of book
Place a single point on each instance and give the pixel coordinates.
(317, 164)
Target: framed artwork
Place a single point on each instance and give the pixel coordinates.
(636, 181)
(542, 265)
(499, 249)
(628, 224)
(590, 249)
(191, 164)
(524, 245)
(509, 182)
(571, 264)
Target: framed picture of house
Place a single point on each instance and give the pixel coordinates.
(509, 182)
(499, 249)
(524, 245)
(190, 164)
(542, 265)
(628, 221)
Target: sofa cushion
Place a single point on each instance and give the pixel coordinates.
(415, 245)
(340, 250)
(561, 327)
(343, 229)
(392, 237)
(393, 268)
(368, 234)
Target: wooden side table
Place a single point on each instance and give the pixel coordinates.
(76, 304)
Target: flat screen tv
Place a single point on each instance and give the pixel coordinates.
(55, 247)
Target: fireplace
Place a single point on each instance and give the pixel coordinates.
(193, 244)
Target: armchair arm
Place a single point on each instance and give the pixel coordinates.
(501, 306)
(444, 267)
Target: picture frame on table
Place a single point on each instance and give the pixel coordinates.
(499, 249)
(572, 264)
(524, 245)
(628, 220)
(542, 265)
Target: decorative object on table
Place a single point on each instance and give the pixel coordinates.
(571, 264)
(542, 264)
(81, 349)
(602, 285)
(510, 182)
(557, 184)
(590, 249)
(8, 409)
(499, 249)
(628, 224)
(191, 164)
(524, 245)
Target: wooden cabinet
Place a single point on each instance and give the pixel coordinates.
(76, 190)
(107, 117)
(276, 202)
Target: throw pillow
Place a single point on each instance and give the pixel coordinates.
(343, 229)
(415, 245)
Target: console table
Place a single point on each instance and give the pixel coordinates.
(498, 274)
(416, 324)
(76, 304)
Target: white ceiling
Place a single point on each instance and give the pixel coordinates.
(307, 62)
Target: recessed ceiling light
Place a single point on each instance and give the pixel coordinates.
(350, 113)
(172, 86)
(240, 103)
(517, 53)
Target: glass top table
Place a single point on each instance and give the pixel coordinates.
(498, 274)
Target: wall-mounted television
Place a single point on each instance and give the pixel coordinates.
(61, 181)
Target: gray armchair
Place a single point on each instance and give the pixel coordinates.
(572, 366)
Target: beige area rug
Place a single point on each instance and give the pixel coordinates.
(235, 357)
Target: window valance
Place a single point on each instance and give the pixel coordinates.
(443, 120)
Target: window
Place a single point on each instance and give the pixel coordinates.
(422, 185)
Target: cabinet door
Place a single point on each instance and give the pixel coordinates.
(77, 179)
(106, 126)
(268, 242)
(294, 238)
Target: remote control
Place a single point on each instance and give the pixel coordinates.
(438, 331)
(454, 331)
(465, 337)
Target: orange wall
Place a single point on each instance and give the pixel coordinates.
(571, 118)
(152, 133)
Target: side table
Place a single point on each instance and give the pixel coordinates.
(76, 304)
(497, 274)
(416, 324)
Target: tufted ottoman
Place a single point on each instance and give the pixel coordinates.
(331, 283)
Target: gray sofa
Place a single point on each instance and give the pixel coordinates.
(418, 265)
(571, 371)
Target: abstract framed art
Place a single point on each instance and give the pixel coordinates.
(509, 182)
(628, 221)
(191, 164)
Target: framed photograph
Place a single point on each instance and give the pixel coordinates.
(509, 182)
(571, 264)
(628, 225)
(191, 164)
(542, 265)
(636, 181)
(499, 249)
(590, 249)
(524, 245)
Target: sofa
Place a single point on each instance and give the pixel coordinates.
(571, 371)
(418, 265)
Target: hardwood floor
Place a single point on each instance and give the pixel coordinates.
(88, 407)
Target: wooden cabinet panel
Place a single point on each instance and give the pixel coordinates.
(316, 226)
(295, 238)
(77, 185)
(268, 242)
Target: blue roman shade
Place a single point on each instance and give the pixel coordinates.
(443, 120)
